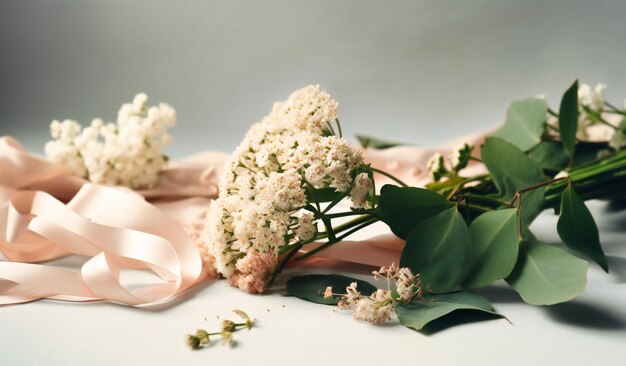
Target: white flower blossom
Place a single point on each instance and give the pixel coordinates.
(361, 191)
(306, 227)
(375, 309)
(126, 153)
(460, 156)
(328, 293)
(351, 298)
(590, 106)
(436, 167)
(263, 189)
(592, 98)
(378, 307)
(407, 284)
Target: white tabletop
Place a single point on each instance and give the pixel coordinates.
(588, 330)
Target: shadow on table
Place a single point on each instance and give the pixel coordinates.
(617, 268)
(576, 312)
(184, 297)
(459, 317)
(585, 315)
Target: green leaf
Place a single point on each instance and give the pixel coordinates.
(532, 205)
(550, 155)
(438, 249)
(419, 313)
(376, 143)
(510, 168)
(546, 275)
(568, 118)
(311, 287)
(577, 228)
(512, 171)
(494, 247)
(524, 124)
(402, 208)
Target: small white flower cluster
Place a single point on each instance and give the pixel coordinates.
(264, 187)
(438, 167)
(618, 139)
(378, 307)
(408, 285)
(590, 107)
(125, 153)
(591, 99)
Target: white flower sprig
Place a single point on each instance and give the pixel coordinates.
(439, 166)
(202, 338)
(125, 153)
(378, 307)
(263, 193)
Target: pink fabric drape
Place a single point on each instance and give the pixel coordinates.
(46, 214)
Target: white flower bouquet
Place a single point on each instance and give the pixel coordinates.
(295, 187)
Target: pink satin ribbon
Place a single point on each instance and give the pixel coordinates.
(46, 214)
(114, 228)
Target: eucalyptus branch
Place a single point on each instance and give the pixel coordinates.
(533, 187)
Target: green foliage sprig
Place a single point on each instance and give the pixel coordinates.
(466, 232)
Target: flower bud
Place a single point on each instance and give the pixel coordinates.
(228, 326)
(193, 342)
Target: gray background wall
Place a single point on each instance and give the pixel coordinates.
(418, 71)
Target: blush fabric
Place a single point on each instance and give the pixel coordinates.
(46, 214)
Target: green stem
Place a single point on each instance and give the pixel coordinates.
(350, 224)
(339, 127)
(336, 240)
(593, 180)
(284, 261)
(335, 202)
(384, 173)
(489, 199)
(615, 109)
(311, 190)
(607, 123)
(348, 213)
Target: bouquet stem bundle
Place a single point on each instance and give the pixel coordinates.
(466, 232)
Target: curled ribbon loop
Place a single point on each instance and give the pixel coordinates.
(112, 228)
(117, 229)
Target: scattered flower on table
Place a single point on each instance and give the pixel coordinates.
(378, 307)
(202, 338)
